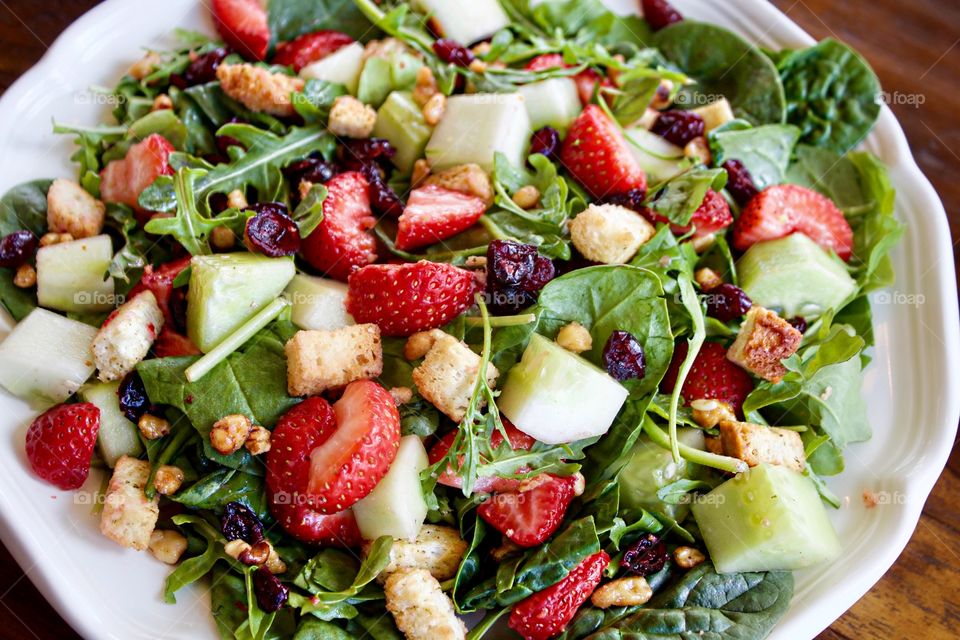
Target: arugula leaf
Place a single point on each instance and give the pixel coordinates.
(309, 213)
(680, 197)
(192, 569)
(132, 256)
(291, 18)
(765, 151)
(337, 584)
(314, 102)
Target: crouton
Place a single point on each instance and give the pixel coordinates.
(575, 337)
(688, 557)
(713, 445)
(448, 373)
(167, 546)
(350, 118)
(764, 340)
(465, 178)
(708, 413)
(420, 608)
(258, 89)
(321, 360)
(624, 592)
(128, 517)
(437, 549)
(609, 233)
(70, 209)
(125, 337)
(756, 444)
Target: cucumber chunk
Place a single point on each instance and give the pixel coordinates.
(651, 468)
(552, 103)
(400, 121)
(465, 21)
(396, 507)
(659, 158)
(556, 396)
(118, 436)
(343, 66)
(46, 357)
(769, 518)
(794, 277)
(228, 289)
(72, 276)
(476, 126)
(318, 303)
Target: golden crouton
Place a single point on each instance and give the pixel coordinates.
(321, 360)
(764, 340)
(713, 444)
(128, 517)
(437, 549)
(420, 608)
(448, 373)
(624, 592)
(350, 118)
(258, 89)
(465, 178)
(70, 209)
(609, 233)
(126, 336)
(708, 412)
(167, 546)
(756, 444)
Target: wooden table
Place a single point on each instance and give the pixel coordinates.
(915, 48)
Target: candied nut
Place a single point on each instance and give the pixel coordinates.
(475, 262)
(222, 238)
(527, 197)
(304, 188)
(230, 433)
(661, 99)
(167, 546)
(425, 87)
(688, 557)
(168, 479)
(236, 548)
(258, 441)
(401, 395)
(478, 66)
(49, 239)
(575, 337)
(707, 279)
(256, 554)
(482, 49)
(703, 243)
(418, 345)
(624, 592)
(699, 149)
(274, 564)
(709, 413)
(153, 427)
(236, 199)
(421, 171)
(25, 277)
(434, 109)
(161, 103)
(145, 66)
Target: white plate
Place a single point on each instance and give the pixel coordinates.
(104, 591)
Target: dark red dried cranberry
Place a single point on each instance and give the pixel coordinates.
(383, 199)
(543, 272)
(727, 302)
(632, 199)
(646, 556)
(660, 14)
(178, 308)
(218, 203)
(272, 231)
(623, 357)
(739, 182)
(132, 396)
(204, 68)
(515, 274)
(452, 52)
(545, 141)
(17, 248)
(271, 593)
(354, 155)
(315, 170)
(679, 127)
(238, 522)
(799, 323)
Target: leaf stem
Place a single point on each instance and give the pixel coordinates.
(688, 295)
(696, 456)
(502, 321)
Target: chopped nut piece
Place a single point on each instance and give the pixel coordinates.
(709, 413)
(707, 278)
(425, 87)
(167, 546)
(421, 171)
(698, 149)
(475, 262)
(688, 557)
(527, 197)
(145, 66)
(153, 427)
(236, 199)
(230, 433)
(274, 564)
(624, 592)
(258, 442)
(481, 49)
(25, 277)
(161, 103)
(49, 239)
(703, 243)
(661, 99)
(764, 340)
(236, 548)
(575, 337)
(223, 238)
(304, 188)
(256, 554)
(465, 178)
(434, 109)
(401, 395)
(168, 479)
(478, 66)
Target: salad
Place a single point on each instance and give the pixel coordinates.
(384, 316)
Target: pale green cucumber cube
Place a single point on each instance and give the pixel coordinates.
(118, 436)
(343, 66)
(400, 121)
(318, 303)
(551, 103)
(396, 506)
(465, 21)
(659, 158)
(476, 126)
(72, 276)
(652, 468)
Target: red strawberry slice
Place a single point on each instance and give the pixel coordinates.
(170, 344)
(341, 243)
(586, 80)
(403, 299)
(711, 216)
(712, 376)
(533, 513)
(309, 48)
(60, 444)
(243, 25)
(546, 61)
(434, 214)
(124, 180)
(312, 527)
(348, 462)
(598, 156)
(484, 484)
(546, 613)
(780, 210)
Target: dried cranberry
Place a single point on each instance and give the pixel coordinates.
(727, 302)
(545, 141)
(218, 203)
(679, 127)
(313, 170)
(623, 357)
(272, 231)
(739, 182)
(204, 68)
(238, 522)
(132, 396)
(178, 308)
(660, 14)
(354, 155)
(632, 199)
(515, 274)
(383, 199)
(646, 556)
(799, 323)
(271, 593)
(452, 52)
(17, 248)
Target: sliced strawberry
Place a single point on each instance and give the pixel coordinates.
(403, 299)
(545, 61)
(312, 527)
(586, 80)
(711, 377)
(546, 613)
(309, 48)
(711, 216)
(533, 513)
(170, 344)
(484, 484)
(341, 243)
(243, 25)
(124, 180)
(598, 156)
(302, 428)
(434, 214)
(780, 210)
(348, 462)
(60, 444)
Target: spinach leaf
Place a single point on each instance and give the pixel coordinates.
(132, 255)
(25, 207)
(291, 18)
(228, 601)
(723, 63)
(192, 569)
(765, 151)
(473, 529)
(680, 197)
(832, 95)
(215, 490)
(314, 629)
(314, 102)
(337, 584)
(18, 302)
(309, 213)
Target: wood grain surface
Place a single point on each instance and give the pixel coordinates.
(915, 48)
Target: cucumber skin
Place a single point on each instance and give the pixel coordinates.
(651, 468)
(396, 506)
(117, 436)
